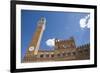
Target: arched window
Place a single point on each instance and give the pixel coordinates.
(41, 56)
(52, 55)
(73, 53)
(59, 55)
(64, 54)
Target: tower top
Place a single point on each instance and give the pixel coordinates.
(42, 21)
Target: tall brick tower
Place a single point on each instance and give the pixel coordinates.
(35, 42)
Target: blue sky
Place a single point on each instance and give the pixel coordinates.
(61, 25)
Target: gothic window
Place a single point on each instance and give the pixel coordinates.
(52, 55)
(41, 56)
(73, 53)
(58, 55)
(64, 54)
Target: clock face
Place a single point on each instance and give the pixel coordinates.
(31, 48)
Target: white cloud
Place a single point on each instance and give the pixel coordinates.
(82, 23)
(85, 22)
(50, 42)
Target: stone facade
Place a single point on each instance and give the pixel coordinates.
(36, 39)
(64, 50)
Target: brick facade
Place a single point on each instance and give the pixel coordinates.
(61, 53)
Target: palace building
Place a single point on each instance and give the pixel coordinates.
(64, 50)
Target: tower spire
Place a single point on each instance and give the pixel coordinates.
(36, 39)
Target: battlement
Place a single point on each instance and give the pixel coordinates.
(65, 44)
(84, 46)
(70, 39)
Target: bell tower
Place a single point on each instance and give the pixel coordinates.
(35, 43)
(33, 48)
